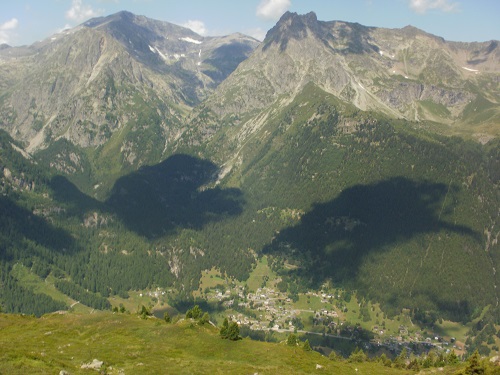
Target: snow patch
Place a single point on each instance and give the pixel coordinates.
(190, 40)
(470, 70)
(382, 53)
(161, 54)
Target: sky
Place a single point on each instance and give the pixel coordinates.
(23, 22)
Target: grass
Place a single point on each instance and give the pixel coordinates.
(312, 303)
(128, 344)
(134, 303)
(435, 109)
(211, 278)
(257, 276)
(34, 282)
(449, 329)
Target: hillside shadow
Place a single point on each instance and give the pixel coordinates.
(332, 240)
(156, 200)
(17, 224)
(76, 203)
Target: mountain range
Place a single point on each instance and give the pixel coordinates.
(138, 153)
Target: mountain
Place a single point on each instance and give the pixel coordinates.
(116, 88)
(354, 157)
(403, 73)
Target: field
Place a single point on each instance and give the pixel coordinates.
(129, 345)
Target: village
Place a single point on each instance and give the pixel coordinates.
(329, 315)
(269, 310)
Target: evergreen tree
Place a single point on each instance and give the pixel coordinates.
(429, 360)
(292, 340)
(413, 364)
(233, 331)
(358, 356)
(205, 318)
(166, 317)
(400, 360)
(144, 312)
(195, 313)
(474, 365)
(385, 361)
(335, 357)
(306, 346)
(452, 358)
(224, 329)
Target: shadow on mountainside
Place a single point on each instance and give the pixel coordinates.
(333, 239)
(155, 200)
(17, 224)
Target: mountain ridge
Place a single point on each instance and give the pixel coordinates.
(103, 83)
(367, 67)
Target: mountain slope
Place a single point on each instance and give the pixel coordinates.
(406, 217)
(126, 344)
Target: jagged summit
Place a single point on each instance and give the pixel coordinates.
(308, 18)
(293, 26)
(339, 36)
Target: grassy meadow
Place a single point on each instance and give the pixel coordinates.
(128, 344)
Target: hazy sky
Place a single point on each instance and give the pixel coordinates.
(26, 21)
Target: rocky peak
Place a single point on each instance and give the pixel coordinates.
(113, 18)
(293, 26)
(292, 17)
